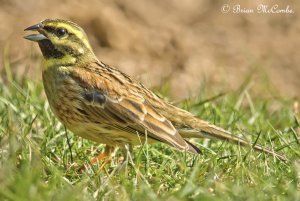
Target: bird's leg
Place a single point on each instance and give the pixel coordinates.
(126, 153)
(105, 157)
(123, 160)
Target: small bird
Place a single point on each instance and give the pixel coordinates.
(105, 105)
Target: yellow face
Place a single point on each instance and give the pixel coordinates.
(60, 38)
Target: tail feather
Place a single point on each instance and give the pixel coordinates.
(192, 148)
(204, 129)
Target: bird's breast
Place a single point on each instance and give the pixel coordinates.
(63, 94)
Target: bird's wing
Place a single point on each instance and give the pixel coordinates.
(102, 101)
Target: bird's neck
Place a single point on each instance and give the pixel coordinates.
(68, 61)
(54, 57)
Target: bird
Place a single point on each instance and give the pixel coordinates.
(102, 104)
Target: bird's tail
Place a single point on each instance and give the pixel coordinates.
(202, 128)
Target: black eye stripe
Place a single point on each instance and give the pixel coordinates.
(59, 31)
(49, 29)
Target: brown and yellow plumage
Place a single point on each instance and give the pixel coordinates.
(100, 103)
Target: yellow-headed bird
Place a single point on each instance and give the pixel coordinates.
(102, 104)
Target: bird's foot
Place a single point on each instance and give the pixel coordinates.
(104, 158)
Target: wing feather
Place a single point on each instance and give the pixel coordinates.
(129, 113)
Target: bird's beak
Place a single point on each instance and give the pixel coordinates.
(35, 37)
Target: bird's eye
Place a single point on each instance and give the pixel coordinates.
(60, 32)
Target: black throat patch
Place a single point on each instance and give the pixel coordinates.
(49, 50)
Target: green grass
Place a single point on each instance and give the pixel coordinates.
(36, 162)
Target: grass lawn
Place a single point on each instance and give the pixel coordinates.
(37, 163)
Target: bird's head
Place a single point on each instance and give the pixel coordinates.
(60, 39)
